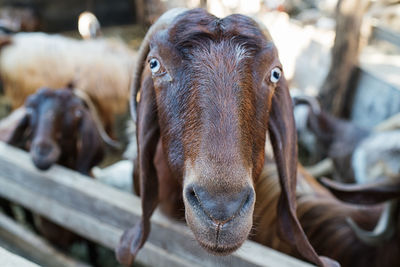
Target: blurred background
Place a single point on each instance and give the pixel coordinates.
(341, 57)
(304, 32)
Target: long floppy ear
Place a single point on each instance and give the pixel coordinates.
(13, 127)
(284, 142)
(367, 194)
(148, 134)
(90, 148)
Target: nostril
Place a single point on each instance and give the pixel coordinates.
(248, 202)
(192, 193)
(191, 196)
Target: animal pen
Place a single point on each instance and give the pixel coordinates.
(226, 126)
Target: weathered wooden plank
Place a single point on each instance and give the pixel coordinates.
(83, 224)
(7, 259)
(100, 213)
(33, 246)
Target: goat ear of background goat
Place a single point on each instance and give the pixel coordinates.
(89, 144)
(19, 122)
(283, 136)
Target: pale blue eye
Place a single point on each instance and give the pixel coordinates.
(276, 74)
(154, 65)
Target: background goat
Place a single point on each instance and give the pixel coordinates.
(334, 138)
(325, 222)
(358, 155)
(57, 126)
(383, 242)
(211, 89)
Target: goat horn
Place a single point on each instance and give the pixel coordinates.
(310, 101)
(162, 23)
(96, 118)
(364, 194)
(384, 229)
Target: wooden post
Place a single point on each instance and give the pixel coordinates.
(335, 90)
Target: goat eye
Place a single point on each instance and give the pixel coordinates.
(154, 65)
(276, 74)
(78, 113)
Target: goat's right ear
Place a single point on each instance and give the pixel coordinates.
(283, 136)
(13, 127)
(148, 134)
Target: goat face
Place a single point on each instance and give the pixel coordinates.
(53, 126)
(212, 94)
(209, 91)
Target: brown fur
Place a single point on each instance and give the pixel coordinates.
(211, 103)
(58, 128)
(323, 218)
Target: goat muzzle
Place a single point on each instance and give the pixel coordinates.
(44, 154)
(220, 221)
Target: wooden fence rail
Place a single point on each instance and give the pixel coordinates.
(19, 240)
(7, 259)
(101, 213)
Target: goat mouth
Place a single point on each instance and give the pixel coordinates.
(219, 246)
(219, 250)
(42, 165)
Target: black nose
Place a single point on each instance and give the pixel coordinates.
(220, 207)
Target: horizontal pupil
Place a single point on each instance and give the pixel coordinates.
(276, 75)
(153, 64)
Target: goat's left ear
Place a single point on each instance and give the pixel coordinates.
(13, 127)
(283, 136)
(90, 148)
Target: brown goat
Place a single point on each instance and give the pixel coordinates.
(336, 138)
(325, 220)
(57, 127)
(212, 89)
